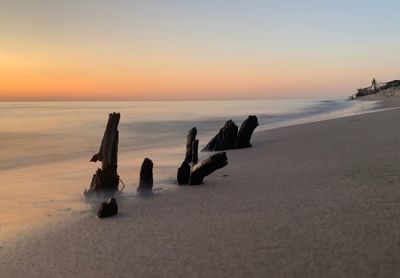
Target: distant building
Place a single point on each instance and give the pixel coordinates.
(373, 85)
(377, 87)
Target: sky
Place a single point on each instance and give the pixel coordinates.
(210, 49)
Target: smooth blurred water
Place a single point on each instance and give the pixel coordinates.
(34, 133)
(46, 146)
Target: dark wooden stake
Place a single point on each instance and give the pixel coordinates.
(146, 176)
(183, 174)
(207, 166)
(195, 151)
(106, 178)
(191, 137)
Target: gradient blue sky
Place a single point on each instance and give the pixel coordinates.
(195, 49)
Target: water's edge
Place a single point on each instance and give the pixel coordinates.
(52, 143)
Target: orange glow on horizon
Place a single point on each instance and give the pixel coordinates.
(83, 77)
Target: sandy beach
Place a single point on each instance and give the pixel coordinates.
(312, 200)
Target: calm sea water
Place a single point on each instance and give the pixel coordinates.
(46, 146)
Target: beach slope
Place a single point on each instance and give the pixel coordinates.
(313, 200)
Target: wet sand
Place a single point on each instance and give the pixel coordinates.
(312, 200)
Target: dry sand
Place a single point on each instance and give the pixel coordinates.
(313, 200)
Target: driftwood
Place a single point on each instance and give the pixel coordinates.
(191, 137)
(245, 132)
(206, 167)
(225, 138)
(108, 208)
(183, 174)
(106, 178)
(146, 176)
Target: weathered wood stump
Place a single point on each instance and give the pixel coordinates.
(206, 167)
(191, 137)
(228, 136)
(146, 176)
(225, 138)
(183, 174)
(245, 132)
(108, 208)
(103, 181)
(195, 151)
(191, 157)
(106, 179)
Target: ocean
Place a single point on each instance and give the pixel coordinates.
(46, 146)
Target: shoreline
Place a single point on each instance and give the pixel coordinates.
(56, 193)
(27, 222)
(301, 202)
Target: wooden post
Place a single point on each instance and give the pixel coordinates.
(106, 178)
(195, 151)
(190, 138)
(146, 176)
(183, 174)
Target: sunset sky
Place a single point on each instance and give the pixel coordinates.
(156, 50)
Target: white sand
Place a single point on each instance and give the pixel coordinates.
(313, 200)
